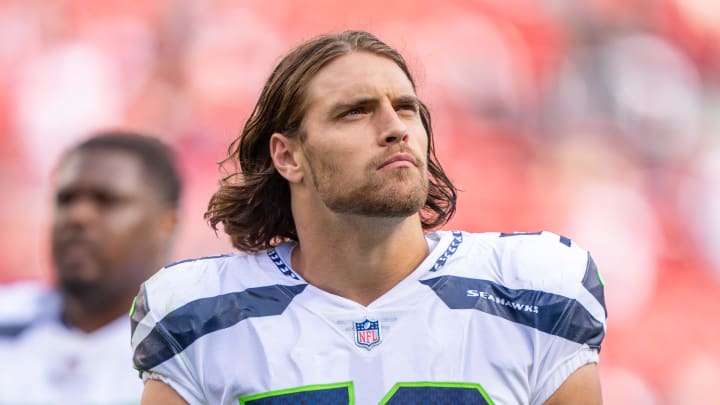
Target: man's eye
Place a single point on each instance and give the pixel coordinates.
(64, 198)
(355, 112)
(105, 199)
(412, 107)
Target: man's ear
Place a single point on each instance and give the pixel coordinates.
(164, 230)
(167, 225)
(283, 151)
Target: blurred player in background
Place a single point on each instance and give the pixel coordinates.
(341, 293)
(115, 214)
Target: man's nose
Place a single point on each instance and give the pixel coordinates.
(81, 211)
(392, 128)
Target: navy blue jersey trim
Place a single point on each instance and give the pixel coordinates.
(457, 240)
(280, 264)
(181, 327)
(13, 330)
(506, 234)
(544, 311)
(591, 282)
(197, 259)
(563, 239)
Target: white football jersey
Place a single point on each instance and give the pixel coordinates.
(485, 319)
(46, 362)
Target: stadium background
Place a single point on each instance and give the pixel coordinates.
(597, 119)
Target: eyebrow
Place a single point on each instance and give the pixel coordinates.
(407, 100)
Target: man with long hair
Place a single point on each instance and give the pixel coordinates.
(114, 217)
(342, 293)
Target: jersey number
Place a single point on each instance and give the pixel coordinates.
(437, 393)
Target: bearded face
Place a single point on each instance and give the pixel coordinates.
(396, 192)
(363, 141)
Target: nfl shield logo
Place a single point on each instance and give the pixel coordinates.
(367, 333)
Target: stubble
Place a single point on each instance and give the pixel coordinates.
(393, 193)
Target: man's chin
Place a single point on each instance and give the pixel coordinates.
(77, 278)
(393, 207)
(387, 198)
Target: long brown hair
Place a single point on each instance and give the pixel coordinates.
(253, 202)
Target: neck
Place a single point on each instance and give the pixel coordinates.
(89, 315)
(359, 258)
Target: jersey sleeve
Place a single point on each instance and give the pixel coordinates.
(583, 321)
(157, 352)
(571, 306)
(21, 304)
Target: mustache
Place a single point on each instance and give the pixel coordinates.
(421, 161)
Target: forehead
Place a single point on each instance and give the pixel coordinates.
(357, 74)
(106, 169)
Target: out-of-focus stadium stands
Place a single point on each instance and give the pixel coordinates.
(598, 119)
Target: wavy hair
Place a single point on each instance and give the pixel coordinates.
(253, 201)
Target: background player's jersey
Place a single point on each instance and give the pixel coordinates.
(45, 362)
(485, 319)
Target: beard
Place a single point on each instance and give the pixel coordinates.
(396, 193)
(77, 267)
(77, 287)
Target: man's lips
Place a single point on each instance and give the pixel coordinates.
(399, 160)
